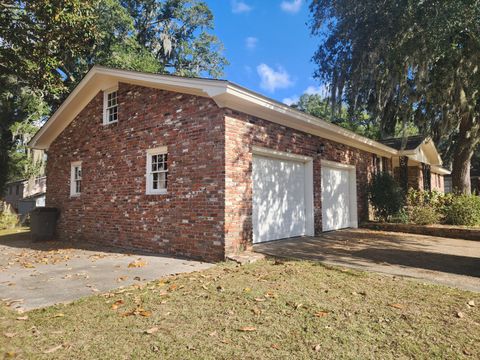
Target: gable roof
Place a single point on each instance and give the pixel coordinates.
(418, 148)
(411, 143)
(224, 93)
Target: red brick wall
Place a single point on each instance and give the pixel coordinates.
(113, 208)
(437, 182)
(242, 133)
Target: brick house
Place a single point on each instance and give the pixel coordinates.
(418, 165)
(198, 168)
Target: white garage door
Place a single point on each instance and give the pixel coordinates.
(279, 209)
(338, 192)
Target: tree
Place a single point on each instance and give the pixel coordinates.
(406, 62)
(47, 46)
(39, 36)
(20, 109)
(176, 33)
(363, 124)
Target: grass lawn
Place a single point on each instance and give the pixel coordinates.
(264, 310)
(16, 230)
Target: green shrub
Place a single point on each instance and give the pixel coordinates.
(402, 217)
(463, 210)
(424, 215)
(8, 220)
(386, 196)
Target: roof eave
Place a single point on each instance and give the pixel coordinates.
(246, 101)
(225, 94)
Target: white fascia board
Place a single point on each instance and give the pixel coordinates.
(440, 170)
(426, 153)
(257, 105)
(206, 87)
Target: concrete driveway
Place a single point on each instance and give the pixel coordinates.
(34, 275)
(449, 262)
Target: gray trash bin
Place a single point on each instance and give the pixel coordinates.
(43, 221)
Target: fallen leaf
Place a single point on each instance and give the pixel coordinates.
(122, 278)
(317, 348)
(213, 334)
(58, 315)
(321, 314)
(10, 354)
(22, 317)
(137, 263)
(9, 335)
(260, 299)
(145, 313)
(117, 304)
(256, 311)
(460, 315)
(397, 306)
(270, 294)
(275, 346)
(53, 349)
(247, 329)
(152, 330)
(471, 303)
(247, 290)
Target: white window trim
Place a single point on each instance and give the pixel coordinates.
(105, 102)
(73, 185)
(149, 186)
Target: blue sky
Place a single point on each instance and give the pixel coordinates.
(268, 45)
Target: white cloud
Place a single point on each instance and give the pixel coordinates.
(291, 100)
(239, 7)
(291, 6)
(317, 90)
(321, 90)
(251, 42)
(272, 79)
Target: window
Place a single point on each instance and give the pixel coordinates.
(110, 106)
(157, 171)
(76, 179)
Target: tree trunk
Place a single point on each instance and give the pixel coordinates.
(461, 171)
(462, 156)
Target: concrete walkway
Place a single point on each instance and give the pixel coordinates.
(34, 275)
(450, 262)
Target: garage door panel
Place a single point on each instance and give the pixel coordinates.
(278, 199)
(336, 207)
